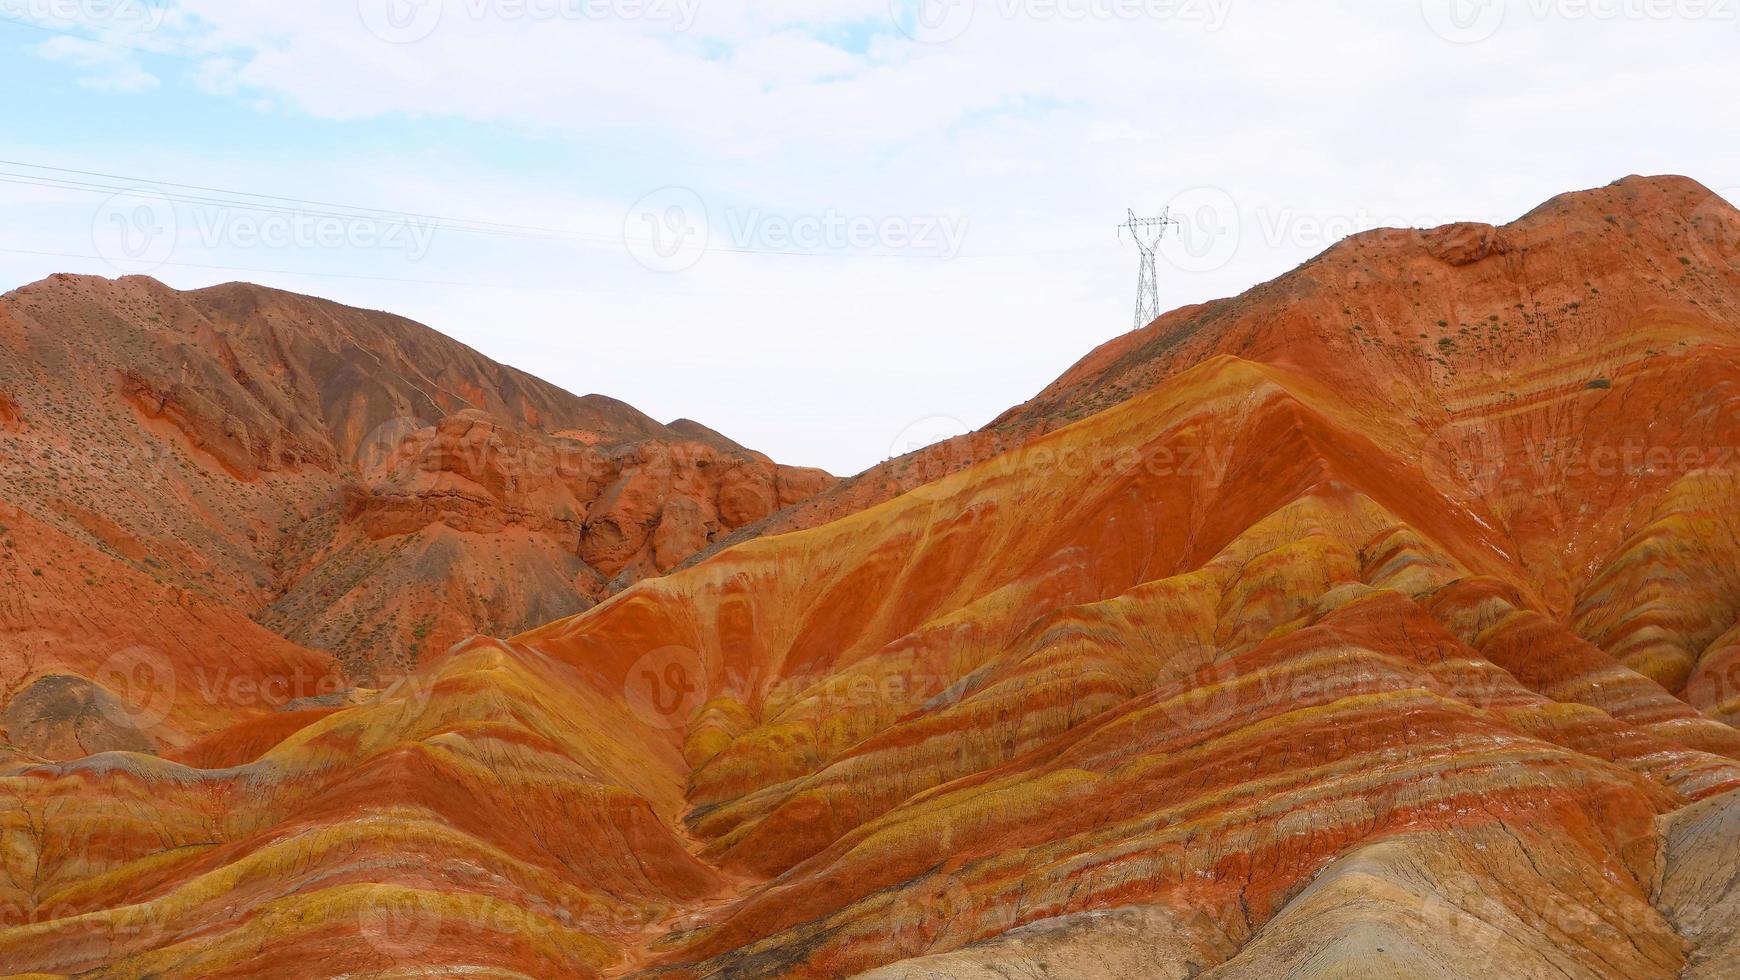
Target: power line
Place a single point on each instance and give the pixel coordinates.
(378, 215)
(323, 275)
(277, 197)
(471, 226)
(421, 282)
(201, 57)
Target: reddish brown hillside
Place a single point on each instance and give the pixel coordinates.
(1511, 360)
(1324, 650)
(352, 480)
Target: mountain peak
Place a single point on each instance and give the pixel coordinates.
(1382, 620)
(295, 445)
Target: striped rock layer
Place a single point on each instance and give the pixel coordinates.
(1258, 646)
(306, 489)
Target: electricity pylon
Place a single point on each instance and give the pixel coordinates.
(1147, 233)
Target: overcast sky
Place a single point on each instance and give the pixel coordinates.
(832, 229)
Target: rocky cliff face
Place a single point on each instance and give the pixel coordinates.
(1528, 369)
(471, 523)
(354, 482)
(1376, 623)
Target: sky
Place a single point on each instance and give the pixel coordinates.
(835, 230)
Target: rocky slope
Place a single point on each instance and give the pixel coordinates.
(1512, 362)
(1278, 641)
(353, 483)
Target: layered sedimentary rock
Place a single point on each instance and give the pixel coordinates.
(1497, 355)
(1227, 667)
(353, 481)
(99, 652)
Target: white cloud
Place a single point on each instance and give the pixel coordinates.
(105, 67)
(1039, 128)
(785, 58)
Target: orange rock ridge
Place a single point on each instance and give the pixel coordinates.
(358, 485)
(1279, 638)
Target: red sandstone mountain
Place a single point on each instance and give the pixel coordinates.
(176, 464)
(1493, 356)
(1379, 622)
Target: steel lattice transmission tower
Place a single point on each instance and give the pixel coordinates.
(1147, 233)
